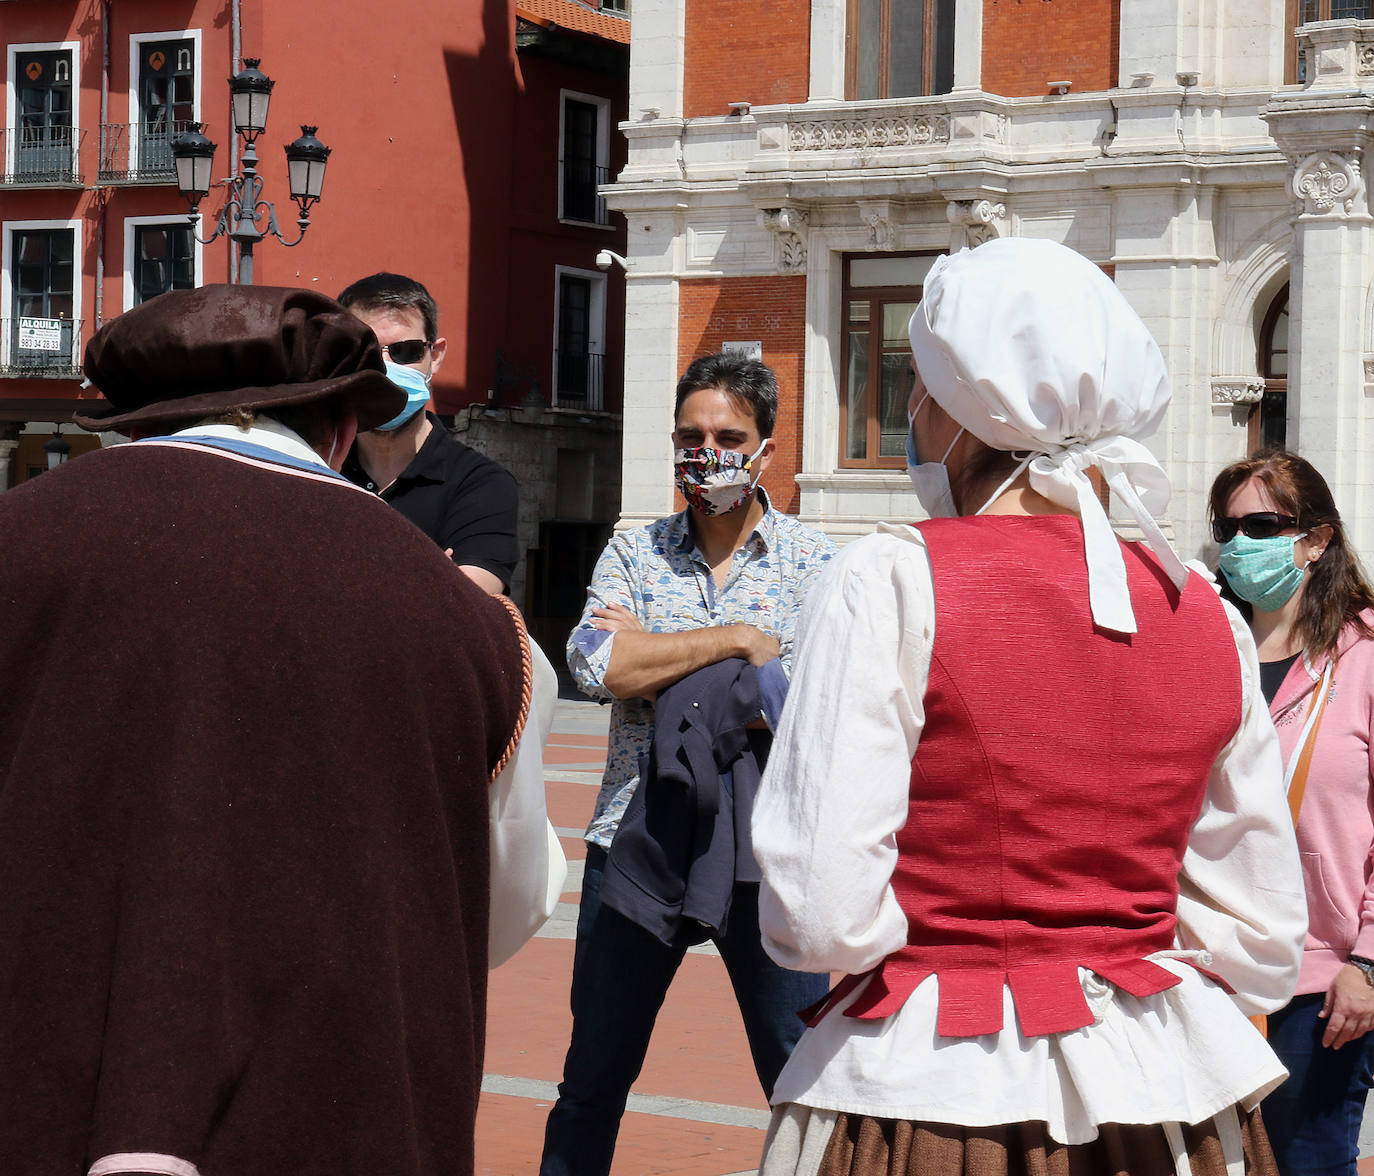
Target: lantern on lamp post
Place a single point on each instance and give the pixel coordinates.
(242, 217)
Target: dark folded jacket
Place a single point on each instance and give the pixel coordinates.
(684, 839)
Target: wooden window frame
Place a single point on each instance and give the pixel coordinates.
(877, 295)
(884, 47)
(1275, 387)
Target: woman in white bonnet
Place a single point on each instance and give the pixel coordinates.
(1025, 796)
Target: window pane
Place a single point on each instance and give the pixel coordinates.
(943, 81)
(162, 260)
(858, 312)
(580, 172)
(870, 34)
(896, 316)
(856, 389)
(906, 41)
(896, 391)
(1349, 9)
(889, 271)
(1278, 346)
(1273, 409)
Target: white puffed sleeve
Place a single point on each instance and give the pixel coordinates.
(528, 868)
(1241, 894)
(835, 793)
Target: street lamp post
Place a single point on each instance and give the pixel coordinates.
(240, 218)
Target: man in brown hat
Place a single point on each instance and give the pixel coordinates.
(257, 828)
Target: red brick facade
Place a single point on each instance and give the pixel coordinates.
(735, 53)
(1029, 43)
(771, 310)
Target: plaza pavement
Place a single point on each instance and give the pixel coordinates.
(697, 1109)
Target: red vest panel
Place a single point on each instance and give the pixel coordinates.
(1059, 773)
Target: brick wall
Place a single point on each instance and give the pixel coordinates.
(771, 310)
(740, 53)
(1029, 43)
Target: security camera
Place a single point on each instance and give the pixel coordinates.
(603, 260)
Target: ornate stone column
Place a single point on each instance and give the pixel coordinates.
(1325, 131)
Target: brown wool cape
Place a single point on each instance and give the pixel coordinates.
(247, 723)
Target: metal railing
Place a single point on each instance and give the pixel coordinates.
(40, 153)
(40, 347)
(580, 199)
(581, 381)
(138, 152)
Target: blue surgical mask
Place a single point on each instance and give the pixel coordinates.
(1262, 571)
(930, 479)
(415, 384)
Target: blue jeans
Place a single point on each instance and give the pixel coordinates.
(621, 974)
(1313, 1119)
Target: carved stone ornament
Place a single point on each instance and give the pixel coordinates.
(1366, 61)
(877, 218)
(1327, 184)
(1369, 369)
(864, 134)
(788, 226)
(1233, 390)
(982, 220)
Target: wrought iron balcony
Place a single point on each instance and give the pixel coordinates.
(581, 381)
(138, 153)
(41, 347)
(39, 153)
(580, 199)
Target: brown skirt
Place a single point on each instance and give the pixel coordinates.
(861, 1146)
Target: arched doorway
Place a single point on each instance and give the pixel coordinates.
(1268, 422)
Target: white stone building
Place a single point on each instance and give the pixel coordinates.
(1203, 182)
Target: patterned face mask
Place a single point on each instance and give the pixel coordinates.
(714, 481)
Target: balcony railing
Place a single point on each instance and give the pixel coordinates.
(41, 154)
(580, 199)
(138, 153)
(40, 347)
(581, 381)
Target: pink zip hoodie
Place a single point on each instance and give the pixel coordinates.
(1336, 821)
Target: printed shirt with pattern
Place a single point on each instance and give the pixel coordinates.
(657, 573)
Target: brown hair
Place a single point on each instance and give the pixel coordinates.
(980, 473)
(1337, 590)
(313, 423)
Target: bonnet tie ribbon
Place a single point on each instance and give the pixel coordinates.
(1140, 483)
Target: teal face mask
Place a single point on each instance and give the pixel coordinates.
(1262, 571)
(415, 384)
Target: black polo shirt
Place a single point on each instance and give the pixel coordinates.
(458, 498)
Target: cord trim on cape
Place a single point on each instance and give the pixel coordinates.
(526, 686)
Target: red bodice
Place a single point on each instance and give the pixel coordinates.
(1059, 772)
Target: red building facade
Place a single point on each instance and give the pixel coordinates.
(446, 165)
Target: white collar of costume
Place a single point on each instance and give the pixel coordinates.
(264, 431)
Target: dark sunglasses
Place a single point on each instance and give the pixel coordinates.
(407, 350)
(1264, 524)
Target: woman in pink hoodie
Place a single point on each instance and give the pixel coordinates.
(1284, 552)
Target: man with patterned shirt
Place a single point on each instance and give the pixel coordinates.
(724, 578)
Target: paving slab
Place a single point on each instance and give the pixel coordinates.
(697, 1109)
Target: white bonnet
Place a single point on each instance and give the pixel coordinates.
(1032, 348)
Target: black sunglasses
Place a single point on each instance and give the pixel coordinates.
(407, 350)
(1263, 524)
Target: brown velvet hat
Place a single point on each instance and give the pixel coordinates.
(196, 353)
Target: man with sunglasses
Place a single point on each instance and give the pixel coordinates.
(462, 500)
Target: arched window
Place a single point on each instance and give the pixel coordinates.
(1269, 418)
